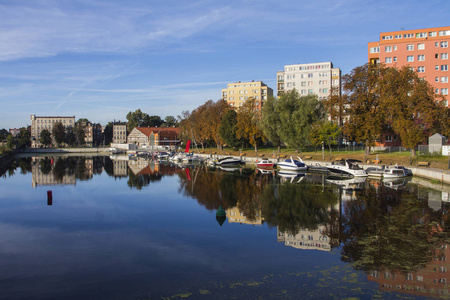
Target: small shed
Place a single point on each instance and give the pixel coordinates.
(435, 142)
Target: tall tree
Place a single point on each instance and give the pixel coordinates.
(3, 134)
(23, 138)
(298, 114)
(227, 128)
(247, 126)
(59, 133)
(410, 105)
(325, 132)
(71, 137)
(80, 133)
(108, 133)
(170, 121)
(365, 115)
(271, 122)
(214, 115)
(45, 138)
(135, 119)
(151, 121)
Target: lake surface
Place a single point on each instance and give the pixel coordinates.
(118, 229)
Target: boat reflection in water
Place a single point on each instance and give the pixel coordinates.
(220, 225)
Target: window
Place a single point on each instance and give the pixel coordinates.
(388, 138)
(421, 57)
(432, 34)
(398, 36)
(409, 35)
(436, 44)
(388, 49)
(421, 35)
(395, 58)
(303, 83)
(410, 58)
(444, 79)
(444, 44)
(436, 79)
(421, 69)
(436, 67)
(388, 60)
(444, 32)
(444, 67)
(410, 47)
(374, 49)
(310, 75)
(420, 46)
(395, 48)
(387, 37)
(310, 91)
(444, 91)
(444, 55)
(436, 91)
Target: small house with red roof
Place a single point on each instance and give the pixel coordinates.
(155, 137)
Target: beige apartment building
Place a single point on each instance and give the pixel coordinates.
(237, 93)
(320, 78)
(119, 132)
(40, 123)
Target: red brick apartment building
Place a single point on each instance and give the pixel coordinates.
(424, 50)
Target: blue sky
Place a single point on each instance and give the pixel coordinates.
(101, 59)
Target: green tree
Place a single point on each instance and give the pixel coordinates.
(3, 134)
(271, 122)
(71, 138)
(170, 121)
(45, 138)
(23, 138)
(247, 126)
(298, 114)
(151, 121)
(108, 133)
(10, 142)
(135, 119)
(227, 129)
(325, 132)
(80, 133)
(59, 133)
(83, 120)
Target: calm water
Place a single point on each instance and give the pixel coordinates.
(143, 230)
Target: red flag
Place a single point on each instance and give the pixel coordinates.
(188, 144)
(188, 174)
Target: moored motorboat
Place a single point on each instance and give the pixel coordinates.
(395, 172)
(226, 161)
(293, 164)
(265, 163)
(347, 168)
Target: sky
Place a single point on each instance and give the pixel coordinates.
(100, 59)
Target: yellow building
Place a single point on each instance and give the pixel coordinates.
(237, 93)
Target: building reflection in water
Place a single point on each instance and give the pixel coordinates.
(61, 170)
(431, 280)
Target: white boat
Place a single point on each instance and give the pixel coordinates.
(226, 161)
(291, 176)
(192, 159)
(395, 172)
(347, 168)
(115, 151)
(163, 155)
(265, 163)
(293, 164)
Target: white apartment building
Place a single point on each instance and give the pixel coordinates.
(40, 123)
(313, 78)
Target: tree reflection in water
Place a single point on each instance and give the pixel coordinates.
(391, 230)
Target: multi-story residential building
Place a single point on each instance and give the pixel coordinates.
(424, 50)
(236, 93)
(40, 123)
(93, 133)
(313, 78)
(14, 131)
(119, 132)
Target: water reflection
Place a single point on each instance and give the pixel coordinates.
(394, 231)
